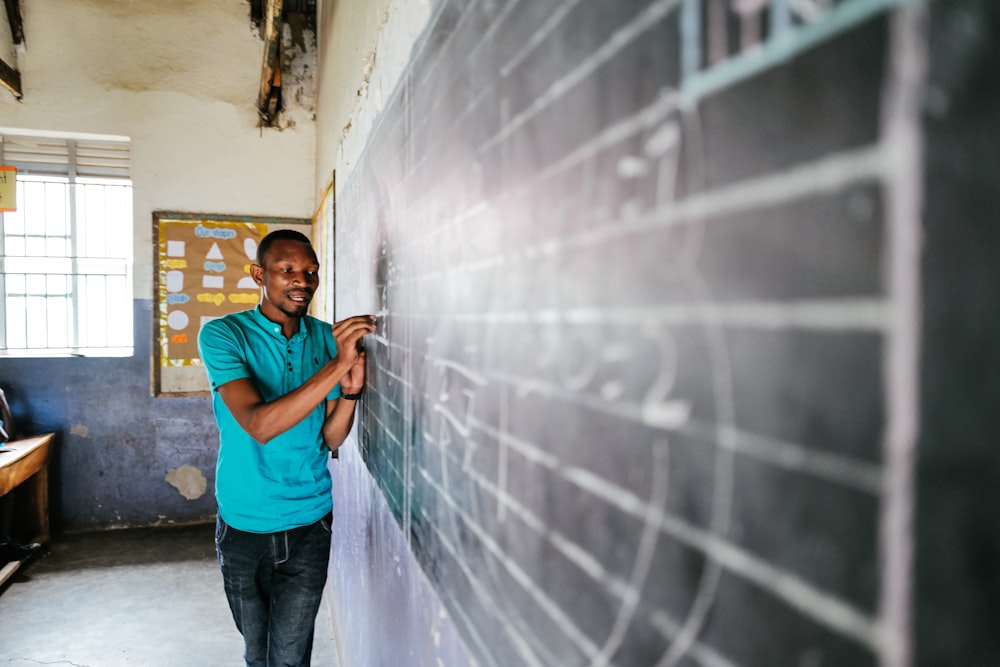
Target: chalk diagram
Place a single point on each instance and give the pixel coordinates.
(452, 387)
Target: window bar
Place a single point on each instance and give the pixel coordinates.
(74, 232)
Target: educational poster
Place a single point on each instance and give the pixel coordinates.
(203, 272)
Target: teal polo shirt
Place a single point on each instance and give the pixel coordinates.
(285, 483)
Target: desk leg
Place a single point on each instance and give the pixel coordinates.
(40, 503)
(6, 514)
(24, 512)
(36, 511)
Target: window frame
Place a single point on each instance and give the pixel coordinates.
(74, 162)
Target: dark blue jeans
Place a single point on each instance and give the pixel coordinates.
(274, 583)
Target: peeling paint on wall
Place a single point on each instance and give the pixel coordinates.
(80, 430)
(188, 480)
(298, 72)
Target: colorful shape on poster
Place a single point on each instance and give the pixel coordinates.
(214, 252)
(175, 281)
(177, 320)
(176, 248)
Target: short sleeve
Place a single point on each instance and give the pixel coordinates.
(331, 348)
(221, 353)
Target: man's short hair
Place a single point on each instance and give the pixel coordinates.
(280, 235)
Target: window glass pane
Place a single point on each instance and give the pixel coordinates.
(58, 322)
(57, 246)
(17, 334)
(94, 311)
(14, 245)
(36, 321)
(119, 327)
(119, 215)
(15, 283)
(34, 205)
(35, 246)
(92, 225)
(36, 285)
(58, 285)
(55, 209)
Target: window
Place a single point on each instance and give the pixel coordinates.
(66, 253)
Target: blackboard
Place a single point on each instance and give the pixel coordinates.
(638, 390)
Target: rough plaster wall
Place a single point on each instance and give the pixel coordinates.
(363, 48)
(180, 79)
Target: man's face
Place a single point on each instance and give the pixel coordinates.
(289, 277)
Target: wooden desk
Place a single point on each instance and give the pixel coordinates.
(24, 475)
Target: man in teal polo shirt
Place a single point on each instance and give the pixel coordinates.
(284, 388)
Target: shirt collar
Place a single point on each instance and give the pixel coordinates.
(274, 328)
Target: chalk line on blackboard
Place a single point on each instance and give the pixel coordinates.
(644, 21)
(544, 602)
(834, 314)
(807, 598)
(867, 477)
(505, 625)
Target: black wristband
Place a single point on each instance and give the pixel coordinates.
(353, 397)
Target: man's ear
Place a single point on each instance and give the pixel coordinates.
(257, 273)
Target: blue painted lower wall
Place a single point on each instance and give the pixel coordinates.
(115, 443)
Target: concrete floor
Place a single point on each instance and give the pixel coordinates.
(142, 597)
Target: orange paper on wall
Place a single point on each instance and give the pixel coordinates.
(8, 188)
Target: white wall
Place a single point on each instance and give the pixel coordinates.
(364, 46)
(180, 78)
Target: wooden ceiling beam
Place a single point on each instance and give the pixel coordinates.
(14, 18)
(10, 78)
(269, 97)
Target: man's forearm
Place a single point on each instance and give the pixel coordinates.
(338, 424)
(264, 421)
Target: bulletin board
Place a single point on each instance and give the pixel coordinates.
(202, 272)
